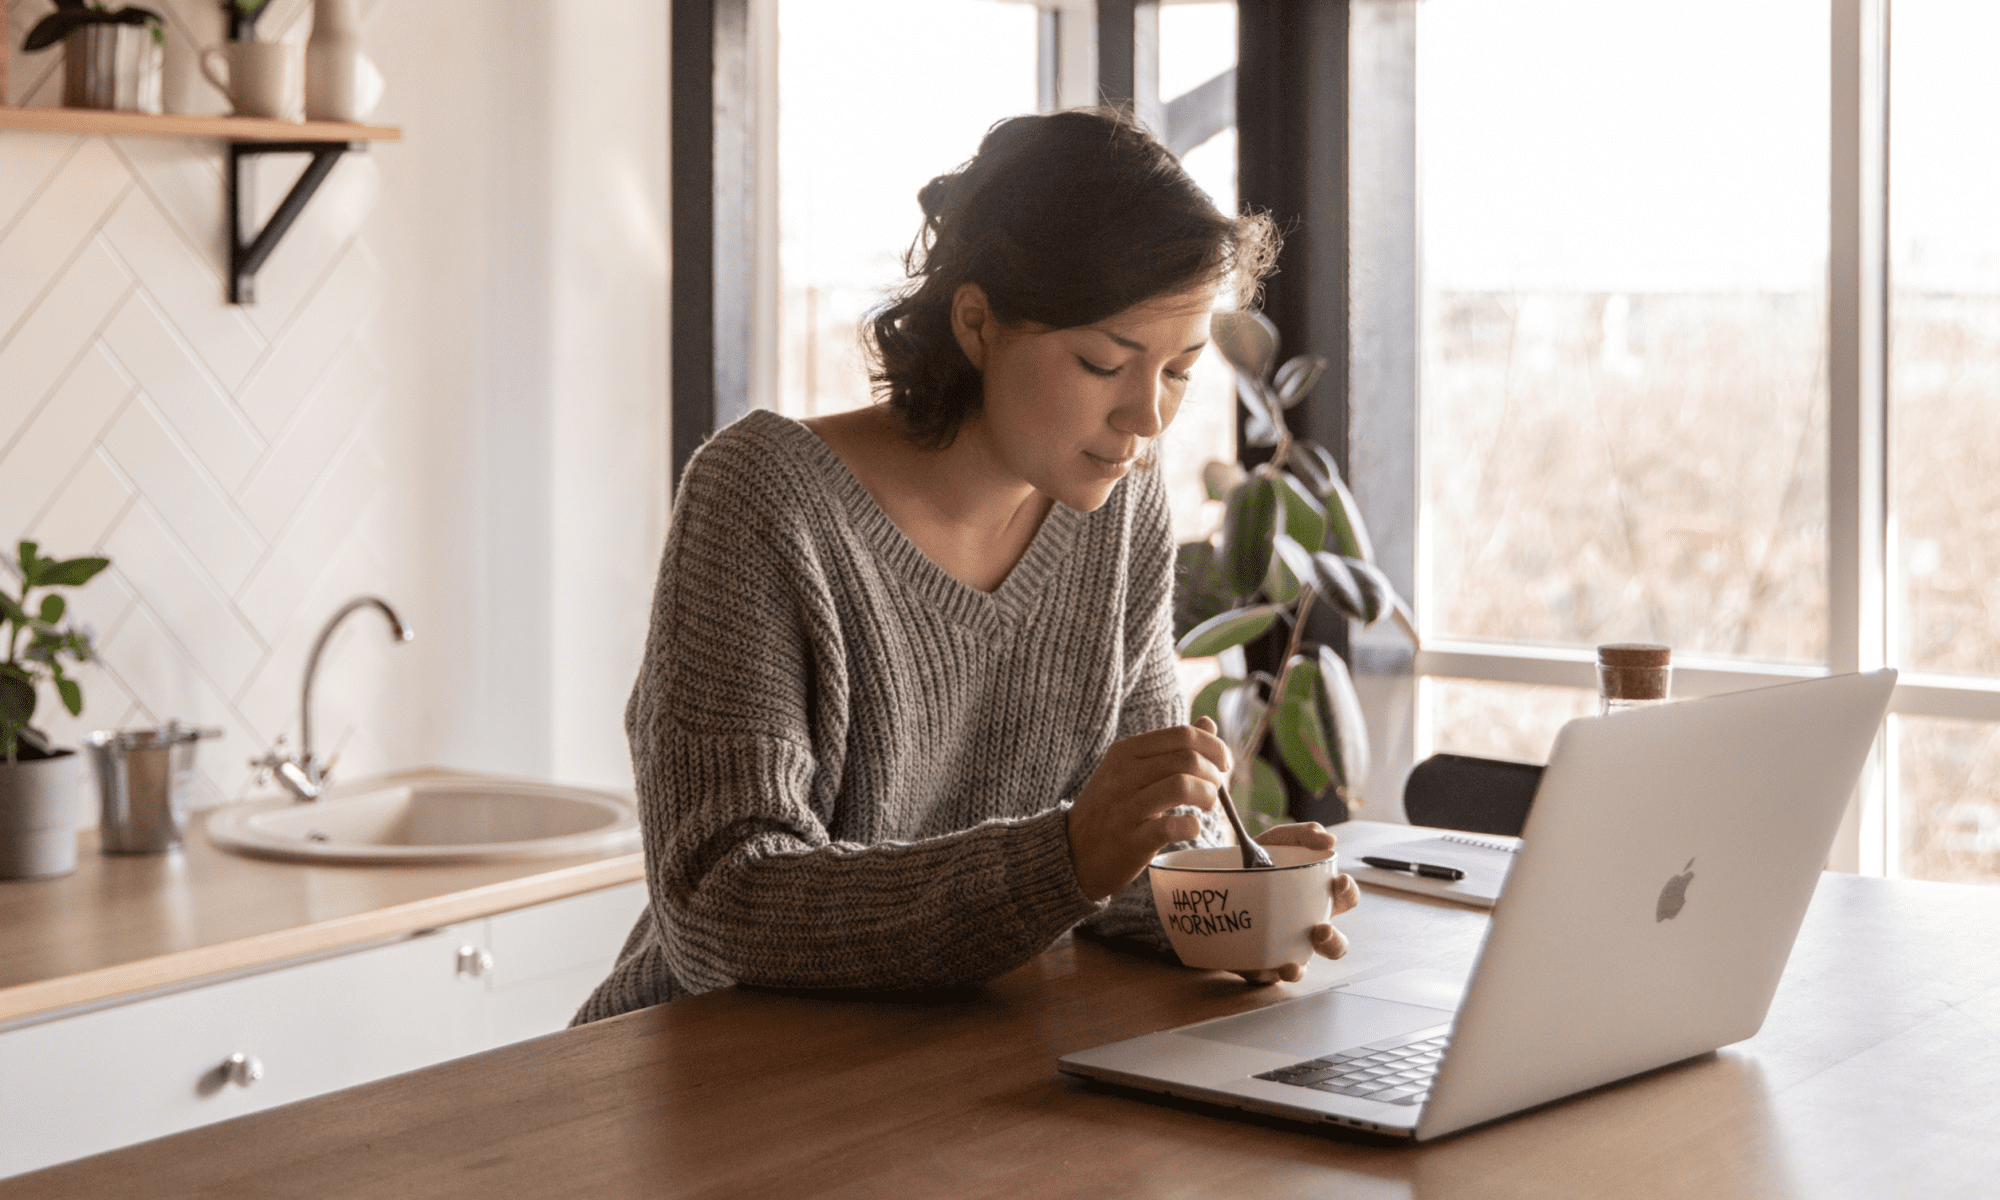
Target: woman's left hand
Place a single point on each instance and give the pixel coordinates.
(1327, 941)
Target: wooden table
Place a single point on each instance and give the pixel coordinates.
(1878, 1074)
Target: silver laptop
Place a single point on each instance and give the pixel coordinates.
(1664, 871)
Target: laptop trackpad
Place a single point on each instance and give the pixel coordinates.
(1319, 1024)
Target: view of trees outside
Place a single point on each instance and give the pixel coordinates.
(1944, 420)
(1624, 400)
(1624, 426)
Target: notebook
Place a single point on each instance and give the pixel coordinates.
(1485, 859)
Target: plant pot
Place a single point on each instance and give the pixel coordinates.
(112, 67)
(38, 815)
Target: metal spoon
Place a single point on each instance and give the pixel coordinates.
(1254, 855)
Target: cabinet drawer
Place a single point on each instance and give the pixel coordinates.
(562, 936)
(88, 1083)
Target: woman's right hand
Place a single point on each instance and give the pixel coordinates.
(1123, 816)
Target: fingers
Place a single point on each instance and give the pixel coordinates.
(1166, 829)
(1212, 746)
(1289, 973)
(1346, 894)
(1199, 738)
(1309, 834)
(1328, 942)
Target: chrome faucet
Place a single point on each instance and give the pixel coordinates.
(303, 774)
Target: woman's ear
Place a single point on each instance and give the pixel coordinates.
(973, 323)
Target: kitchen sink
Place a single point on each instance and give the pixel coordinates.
(432, 817)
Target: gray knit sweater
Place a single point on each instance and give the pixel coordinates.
(854, 771)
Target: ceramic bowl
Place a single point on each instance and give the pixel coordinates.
(1220, 915)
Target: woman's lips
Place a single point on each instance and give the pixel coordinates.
(1110, 468)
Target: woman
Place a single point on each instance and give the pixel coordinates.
(908, 710)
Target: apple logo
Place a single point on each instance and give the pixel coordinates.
(1674, 895)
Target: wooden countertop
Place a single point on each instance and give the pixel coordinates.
(1874, 1076)
(123, 924)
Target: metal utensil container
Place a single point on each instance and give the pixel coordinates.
(144, 782)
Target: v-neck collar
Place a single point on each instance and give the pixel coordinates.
(1017, 595)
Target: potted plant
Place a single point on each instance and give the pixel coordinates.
(1291, 537)
(39, 782)
(111, 57)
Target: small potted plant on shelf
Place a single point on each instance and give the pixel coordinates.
(39, 782)
(111, 57)
(1291, 537)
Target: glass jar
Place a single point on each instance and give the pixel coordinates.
(1632, 675)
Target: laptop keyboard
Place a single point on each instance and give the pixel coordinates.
(1397, 1074)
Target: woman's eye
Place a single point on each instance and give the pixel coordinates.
(1180, 376)
(1094, 369)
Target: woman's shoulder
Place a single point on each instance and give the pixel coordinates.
(762, 466)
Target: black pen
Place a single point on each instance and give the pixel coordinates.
(1427, 870)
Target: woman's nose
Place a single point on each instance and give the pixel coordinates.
(1146, 413)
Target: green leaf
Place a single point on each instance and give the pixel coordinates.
(1266, 805)
(1199, 591)
(1217, 478)
(30, 566)
(1336, 582)
(1312, 464)
(1346, 729)
(1207, 701)
(1296, 378)
(52, 609)
(1233, 628)
(12, 611)
(1238, 711)
(1247, 339)
(72, 696)
(1350, 533)
(1305, 516)
(1299, 733)
(1298, 560)
(17, 701)
(1247, 528)
(73, 572)
(1378, 595)
(1280, 586)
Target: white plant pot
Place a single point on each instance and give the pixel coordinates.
(38, 815)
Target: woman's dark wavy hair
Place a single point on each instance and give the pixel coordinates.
(1063, 220)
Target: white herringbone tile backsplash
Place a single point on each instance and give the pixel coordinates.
(230, 461)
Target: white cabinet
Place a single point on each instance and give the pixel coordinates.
(83, 1084)
(548, 958)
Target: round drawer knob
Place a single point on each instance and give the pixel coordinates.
(243, 1069)
(473, 961)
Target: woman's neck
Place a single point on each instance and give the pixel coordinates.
(959, 505)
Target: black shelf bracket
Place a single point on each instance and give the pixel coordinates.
(247, 256)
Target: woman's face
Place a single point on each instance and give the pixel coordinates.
(1071, 411)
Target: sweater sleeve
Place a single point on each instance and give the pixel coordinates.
(1153, 697)
(746, 885)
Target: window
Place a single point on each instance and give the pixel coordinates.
(1639, 223)
(875, 98)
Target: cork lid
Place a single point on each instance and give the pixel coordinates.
(1634, 654)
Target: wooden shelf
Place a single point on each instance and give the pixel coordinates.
(92, 122)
